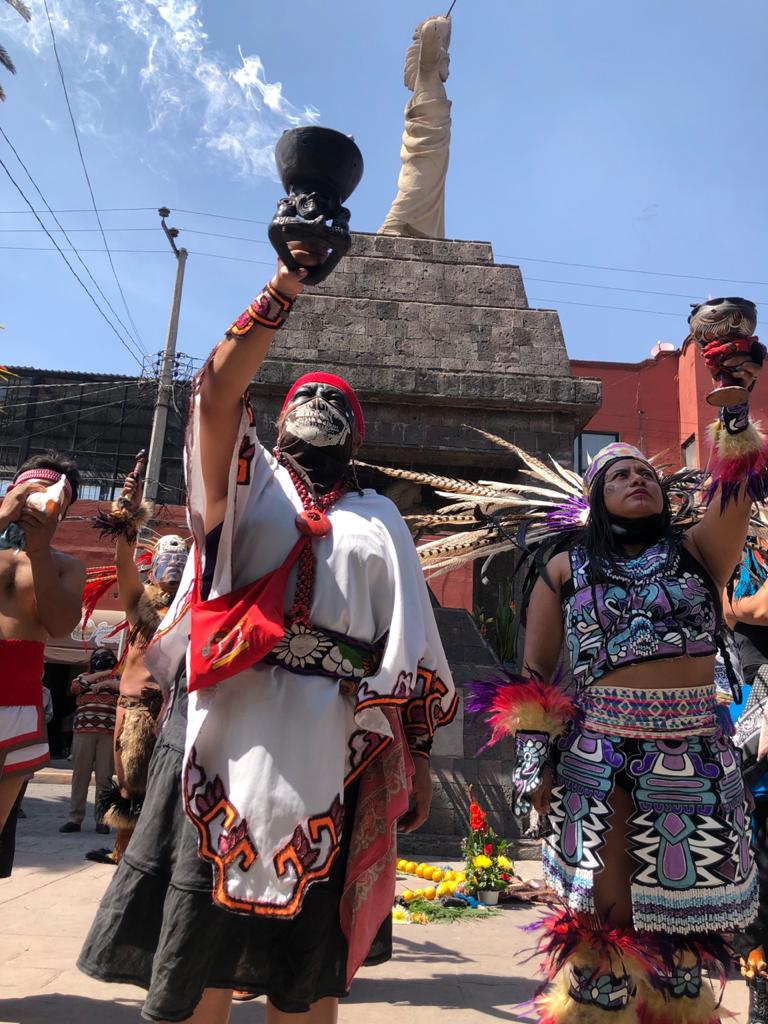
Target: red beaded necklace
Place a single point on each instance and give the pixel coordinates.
(312, 522)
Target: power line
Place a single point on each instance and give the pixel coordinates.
(72, 269)
(74, 250)
(60, 399)
(621, 309)
(614, 288)
(504, 256)
(549, 303)
(629, 270)
(72, 231)
(89, 209)
(87, 177)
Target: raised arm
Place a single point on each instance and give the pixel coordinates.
(129, 582)
(58, 579)
(718, 538)
(229, 372)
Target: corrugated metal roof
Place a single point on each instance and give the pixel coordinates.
(28, 371)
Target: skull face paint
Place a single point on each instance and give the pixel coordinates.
(168, 562)
(318, 423)
(317, 432)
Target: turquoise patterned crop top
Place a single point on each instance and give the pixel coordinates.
(661, 604)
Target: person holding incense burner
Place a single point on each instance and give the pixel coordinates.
(650, 834)
(307, 678)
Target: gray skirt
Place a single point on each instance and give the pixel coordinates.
(157, 926)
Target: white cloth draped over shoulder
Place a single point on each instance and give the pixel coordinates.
(268, 751)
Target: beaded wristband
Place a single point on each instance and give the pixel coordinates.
(269, 309)
(735, 418)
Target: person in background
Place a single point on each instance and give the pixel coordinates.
(40, 598)
(96, 693)
(746, 611)
(8, 834)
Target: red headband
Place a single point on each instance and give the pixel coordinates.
(49, 475)
(335, 382)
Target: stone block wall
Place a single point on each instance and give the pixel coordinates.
(437, 339)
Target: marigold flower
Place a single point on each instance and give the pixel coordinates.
(481, 861)
(504, 862)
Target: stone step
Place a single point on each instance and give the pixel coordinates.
(441, 249)
(421, 335)
(470, 284)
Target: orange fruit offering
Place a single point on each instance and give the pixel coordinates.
(408, 895)
(437, 875)
(430, 893)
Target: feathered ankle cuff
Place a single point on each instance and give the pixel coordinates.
(594, 971)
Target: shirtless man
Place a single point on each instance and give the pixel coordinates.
(138, 706)
(40, 596)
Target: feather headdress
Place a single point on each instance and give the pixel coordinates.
(547, 506)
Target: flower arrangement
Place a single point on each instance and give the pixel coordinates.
(487, 868)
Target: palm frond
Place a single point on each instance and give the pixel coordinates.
(21, 8)
(5, 60)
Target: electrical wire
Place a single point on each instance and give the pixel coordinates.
(72, 269)
(504, 256)
(629, 270)
(88, 179)
(83, 396)
(74, 250)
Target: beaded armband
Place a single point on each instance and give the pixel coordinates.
(269, 309)
(531, 754)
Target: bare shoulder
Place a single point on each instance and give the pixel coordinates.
(559, 568)
(69, 567)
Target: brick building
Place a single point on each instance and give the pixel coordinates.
(658, 404)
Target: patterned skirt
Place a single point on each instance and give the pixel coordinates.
(689, 831)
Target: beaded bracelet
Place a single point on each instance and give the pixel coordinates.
(269, 309)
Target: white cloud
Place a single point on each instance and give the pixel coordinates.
(161, 48)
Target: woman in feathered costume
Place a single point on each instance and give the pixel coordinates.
(649, 847)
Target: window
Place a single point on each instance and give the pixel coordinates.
(90, 492)
(587, 445)
(689, 452)
(4, 485)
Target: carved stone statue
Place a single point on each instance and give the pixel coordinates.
(419, 207)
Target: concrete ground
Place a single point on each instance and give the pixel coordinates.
(455, 974)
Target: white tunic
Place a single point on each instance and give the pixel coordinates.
(268, 750)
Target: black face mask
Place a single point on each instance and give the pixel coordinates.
(317, 436)
(645, 530)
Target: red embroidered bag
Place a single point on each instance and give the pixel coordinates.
(232, 632)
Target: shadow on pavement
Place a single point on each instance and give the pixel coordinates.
(57, 1008)
(485, 993)
(425, 952)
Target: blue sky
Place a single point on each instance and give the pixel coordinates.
(611, 135)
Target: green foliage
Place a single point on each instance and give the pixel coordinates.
(433, 910)
(501, 628)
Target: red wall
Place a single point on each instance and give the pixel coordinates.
(660, 403)
(76, 536)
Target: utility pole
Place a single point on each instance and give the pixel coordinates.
(165, 383)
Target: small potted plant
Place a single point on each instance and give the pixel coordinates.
(488, 870)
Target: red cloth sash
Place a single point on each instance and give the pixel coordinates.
(21, 673)
(232, 632)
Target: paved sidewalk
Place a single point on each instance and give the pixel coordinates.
(455, 974)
